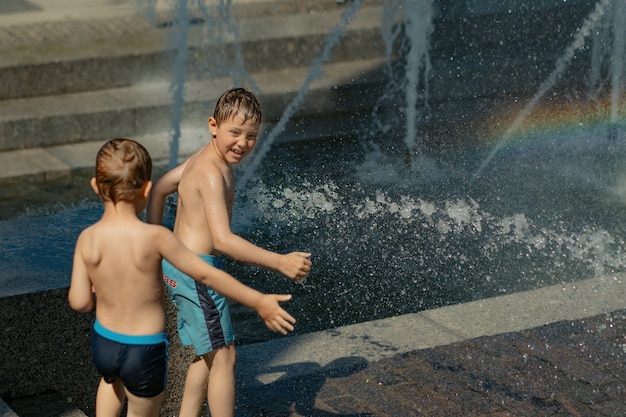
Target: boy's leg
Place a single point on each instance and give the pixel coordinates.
(110, 399)
(218, 370)
(221, 388)
(195, 389)
(144, 407)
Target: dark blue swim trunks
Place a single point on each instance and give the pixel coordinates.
(140, 362)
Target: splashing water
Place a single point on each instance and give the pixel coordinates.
(427, 243)
(179, 70)
(382, 251)
(221, 30)
(617, 68)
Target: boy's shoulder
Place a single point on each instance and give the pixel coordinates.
(204, 164)
(124, 234)
(90, 231)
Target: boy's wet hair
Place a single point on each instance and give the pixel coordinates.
(122, 168)
(237, 101)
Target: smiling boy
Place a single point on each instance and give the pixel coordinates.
(206, 189)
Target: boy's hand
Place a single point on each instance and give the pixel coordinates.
(275, 318)
(296, 265)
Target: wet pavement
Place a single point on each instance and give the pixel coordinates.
(421, 364)
(568, 368)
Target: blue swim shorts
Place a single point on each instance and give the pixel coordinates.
(140, 362)
(203, 315)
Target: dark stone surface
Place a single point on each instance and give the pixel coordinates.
(44, 348)
(569, 368)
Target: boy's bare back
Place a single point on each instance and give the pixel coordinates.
(121, 261)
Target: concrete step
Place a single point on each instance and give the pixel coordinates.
(111, 47)
(44, 138)
(112, 52)
(101, 87)
(111, 116)
(146, 107)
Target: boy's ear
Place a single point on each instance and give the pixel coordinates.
(145, 189)
(213, 126)
(94, 186)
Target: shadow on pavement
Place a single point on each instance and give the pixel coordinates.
(295, 393)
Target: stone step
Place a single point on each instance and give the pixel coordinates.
(105, 53)
(97, 88)
(146, 108)
(43, 138)
(108, 49)
(105, 87)
(143, 108)
(46, 163)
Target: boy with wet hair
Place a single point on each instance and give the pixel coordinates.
(206, 188)
(116, 269)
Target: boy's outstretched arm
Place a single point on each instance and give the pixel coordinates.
(266, 305)
(164, 186)
(295, 265)
(275, 317)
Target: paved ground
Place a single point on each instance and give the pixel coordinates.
(492, 357)
(569, 368)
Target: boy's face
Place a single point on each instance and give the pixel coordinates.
(234, 138)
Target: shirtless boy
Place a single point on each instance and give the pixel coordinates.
(116, 269)
(206, 187)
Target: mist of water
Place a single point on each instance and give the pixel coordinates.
(617, 57)
(181, 35)
(561, 65)
(315, 72)
(418, 25)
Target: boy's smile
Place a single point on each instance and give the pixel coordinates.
(234, 138)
